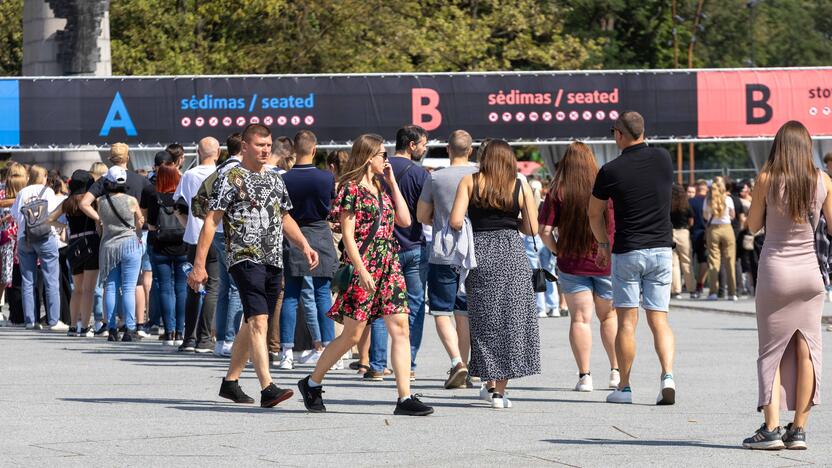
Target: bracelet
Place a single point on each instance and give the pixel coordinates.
(603, 245)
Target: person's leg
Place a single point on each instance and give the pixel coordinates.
(805, 381)
(162, 275)
(609, 327)
(353, 330)
(131, 266)
(288, 314)
(684, 253)
(728, 248)
(442, 290)
(415, 276)
(378, 346)
(771, 412)
(323, 302)
(714, 260)
(625, 342)
(221, 311)
(111, 285)
(258, 328)
(397, 326)
(98, 302)
(209, 304)
(75, 300)
(580, 332)
(180, 281)
(28, 259)
(656, 299)
(48, 253)
(88, 284)
(663, 339)
(192, 305)
(239, 353)
(310, 311)
(463, 332)
(274, 322)
(676, 283)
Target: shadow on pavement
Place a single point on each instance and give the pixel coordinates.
(645, 443)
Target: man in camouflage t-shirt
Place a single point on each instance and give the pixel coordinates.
(253, 205)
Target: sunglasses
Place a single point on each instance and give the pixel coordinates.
(383, 155)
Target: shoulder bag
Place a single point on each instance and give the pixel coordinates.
(343, 276)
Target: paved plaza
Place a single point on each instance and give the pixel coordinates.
(87, 402)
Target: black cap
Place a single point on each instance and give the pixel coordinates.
(80, 182)
(162, 157)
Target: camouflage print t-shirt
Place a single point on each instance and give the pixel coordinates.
(253, 204)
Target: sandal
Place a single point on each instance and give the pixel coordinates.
(362, 369)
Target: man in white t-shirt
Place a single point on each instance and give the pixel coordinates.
(198, 335)
(31, 249)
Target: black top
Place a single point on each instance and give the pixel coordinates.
(173, 250)
(492, 219)
(411, 178)
(680, 219)
(639, 182)
(311, 191)
(79, 223)
(738, 209)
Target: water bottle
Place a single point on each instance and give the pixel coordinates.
(187, 268)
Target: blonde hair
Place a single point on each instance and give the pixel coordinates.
(16, 179)
(716, 198)
(98, 169)
(37, 175)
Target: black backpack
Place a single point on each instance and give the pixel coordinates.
(168, 228)
(35, 213)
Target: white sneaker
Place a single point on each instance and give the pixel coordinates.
(735, 298)
(178, 343)
(168, 342)
(59, 327)
(339, 365)
(218, 348)
(542, 313)
(667, 392)
(615, 378)
(30, 326)
(142, 333)
(485, 395)
(712, 297)
(90, 333)
(500, 402)
(584, 384)
(227, 346)
(286, 363)
(620, 396)
(310, 358)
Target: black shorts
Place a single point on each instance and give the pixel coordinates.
(259, 287)
(91, 263)
(700, 250)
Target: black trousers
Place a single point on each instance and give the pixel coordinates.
(200, 320)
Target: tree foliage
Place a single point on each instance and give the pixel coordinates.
(11, 37)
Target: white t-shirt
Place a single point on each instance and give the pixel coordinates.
(726, 213)
(188, 186)
(23, 197)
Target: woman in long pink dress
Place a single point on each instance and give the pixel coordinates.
(788, 199)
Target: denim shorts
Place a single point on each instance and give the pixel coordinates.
(600, 286)
(647, 272)
(146, 265)
(443, 292)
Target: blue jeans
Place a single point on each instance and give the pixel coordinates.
(97, 300)
(47, 252)
(378, 345)
(229, 311)
(316, 295)
(549, 262)
(415, 270)
(173, 289)
(123, 276)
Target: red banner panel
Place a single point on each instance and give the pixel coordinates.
(755, 103)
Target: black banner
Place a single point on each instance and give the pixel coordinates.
(516, 107)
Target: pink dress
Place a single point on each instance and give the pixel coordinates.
(790, 296)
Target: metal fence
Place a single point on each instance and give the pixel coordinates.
(708, 174)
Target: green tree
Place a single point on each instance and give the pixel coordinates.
(11, 37)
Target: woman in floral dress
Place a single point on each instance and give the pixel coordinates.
(16, 178)
(377, 288)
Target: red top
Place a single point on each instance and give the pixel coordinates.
(572, 264)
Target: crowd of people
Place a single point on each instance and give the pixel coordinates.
(221, 258)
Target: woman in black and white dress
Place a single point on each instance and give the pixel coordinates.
(505, 341)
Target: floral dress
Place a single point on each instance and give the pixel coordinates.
(381, 258)
(8, 243)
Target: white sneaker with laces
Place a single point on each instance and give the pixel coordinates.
(542, 314)
(615, 378)
(584, 384)
(286, 363)
(485, 395)
(218, 348)
(500, 402)
(90, 333)
(624, 396)
(310, 358)
(735, 298)
(339, 365)
(667, 392)
(142, 333)
(59, 327)
(227, 346)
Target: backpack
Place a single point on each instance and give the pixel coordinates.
(202, 199)
(35, 213)
(168, 228)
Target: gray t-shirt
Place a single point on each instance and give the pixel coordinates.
(440, 190)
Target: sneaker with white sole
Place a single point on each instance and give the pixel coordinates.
(485, 393)
(218, 348)
(339, 365)
(286, 363)
(310, 358)
(542, 314)
(500, 401)
(622, 396)
(59, 327)
(142, 333)
(615, 378)
(584, 384)
(667, 393)
(763, 439)
(227, 346)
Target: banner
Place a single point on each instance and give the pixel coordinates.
(525, 107)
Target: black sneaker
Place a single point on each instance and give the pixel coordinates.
(167, 339)
(71, 332)
(794, 438)
(764, 439)
(231, 389)
(311, 396)
(272, 395)
(103, 331)
(412, 407)
(112, 335)
(129, 336)
(187, 347)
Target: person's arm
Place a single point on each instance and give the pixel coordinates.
(87, 209)
(757, 213)
(529, 226)
(138, 215)
(403, 218)
(198, 275)
(365, 279)
(6, 202)
(294, 235)
(424, 212)
(732, 212)
(827, 203)
(598, 224)
(54, 215)
(460, 208)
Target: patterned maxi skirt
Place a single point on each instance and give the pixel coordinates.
(505, 340)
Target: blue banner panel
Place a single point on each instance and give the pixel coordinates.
(9, 113)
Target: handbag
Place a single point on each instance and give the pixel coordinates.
(539, 275)
(81, 249)
(343, 275)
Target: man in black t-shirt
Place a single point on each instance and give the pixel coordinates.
(639, 182)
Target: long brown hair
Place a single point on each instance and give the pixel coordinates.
(679, 199)
(573, 185)
(363, 149)
(495, 181)
(790, 168)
